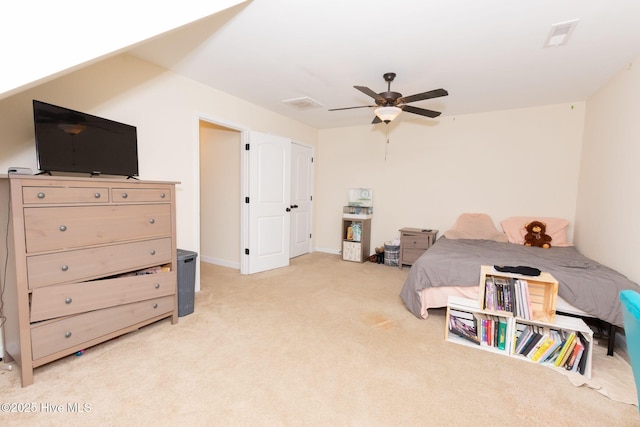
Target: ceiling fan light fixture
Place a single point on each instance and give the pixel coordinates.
(387, 114)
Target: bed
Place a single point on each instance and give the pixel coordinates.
(451, 266)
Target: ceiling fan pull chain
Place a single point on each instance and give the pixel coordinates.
(386, 146)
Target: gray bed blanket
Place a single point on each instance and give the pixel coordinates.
(582, 282)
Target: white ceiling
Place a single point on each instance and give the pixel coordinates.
(488, 54)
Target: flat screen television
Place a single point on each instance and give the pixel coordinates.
(71, 141)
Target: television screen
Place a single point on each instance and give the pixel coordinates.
(71, 141)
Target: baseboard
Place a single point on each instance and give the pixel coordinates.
(328, 251)
(220, 262)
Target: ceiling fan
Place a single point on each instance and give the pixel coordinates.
(391, 104)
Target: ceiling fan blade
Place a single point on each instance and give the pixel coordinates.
(376, 119)
(351, 108)
(425, 95)
(420, 111)
(371, 93)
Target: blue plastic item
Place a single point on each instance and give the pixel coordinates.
(631, 313)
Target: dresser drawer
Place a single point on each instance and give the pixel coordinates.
(121, 195)
(55, 228)
(52, 195)
(86, 264)
(59, 335)
(415, 241)
(49, 302)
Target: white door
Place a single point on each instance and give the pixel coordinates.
(301, 199)
(269, 202)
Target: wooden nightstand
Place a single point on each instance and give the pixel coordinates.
(413, 243)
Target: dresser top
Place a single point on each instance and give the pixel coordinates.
(97, 179)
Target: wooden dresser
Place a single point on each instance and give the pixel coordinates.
(89, 259)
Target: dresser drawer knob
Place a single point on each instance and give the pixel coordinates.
(157, 286)
(67, 300)
(67, 334)
(40, 195)
(152, 221)
(153, 252)
(155, 305)
(97, 195)
(162, 195)
(64, 267)
(63, 228)
(125, 195)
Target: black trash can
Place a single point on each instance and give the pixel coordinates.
(186, 281)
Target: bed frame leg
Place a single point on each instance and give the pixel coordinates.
(612, 339)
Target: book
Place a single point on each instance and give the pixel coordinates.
(458, 327)
(544, 346)
(462, 334)
(481, 321)
(500, 284)
(562, 338)
(463, 325)
(585, 355)
(502, 333)
(517, 290)
(553, 348)
(564, 349)
(527, 304)
(489, 293)
(568, 354)
(531, 343)
(524, 337)
(513, 296)
(574, 360)
(543, 338)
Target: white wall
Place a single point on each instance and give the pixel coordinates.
(44, 39)
(165, 108)
(608, 206)
(503, 163)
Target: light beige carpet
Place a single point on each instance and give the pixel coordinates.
(323, 342)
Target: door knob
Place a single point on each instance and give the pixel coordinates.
(288, 209)
(294, 206)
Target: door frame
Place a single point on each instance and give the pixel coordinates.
(244, 183)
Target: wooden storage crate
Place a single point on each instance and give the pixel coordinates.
(543, 293)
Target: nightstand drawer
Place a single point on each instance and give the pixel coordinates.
(87, 264)
(49, 302)
(59, 335)
(413, 241)
(409, 256)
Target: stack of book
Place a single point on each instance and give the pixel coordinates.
(479, 328)
(508, 294)
(557, 347)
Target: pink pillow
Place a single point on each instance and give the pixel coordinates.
(475, 226)
(556, 228)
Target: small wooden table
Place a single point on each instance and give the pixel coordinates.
(413, 243)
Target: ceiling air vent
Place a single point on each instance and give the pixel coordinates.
(560, 33)
(304, 103)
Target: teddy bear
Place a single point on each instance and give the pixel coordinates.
(536, 235)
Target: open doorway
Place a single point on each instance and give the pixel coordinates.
(220, 192)
(223, 176)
